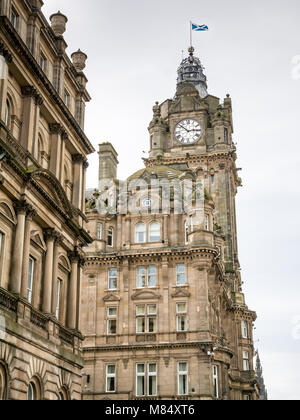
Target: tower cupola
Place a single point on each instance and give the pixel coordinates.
(191, 70)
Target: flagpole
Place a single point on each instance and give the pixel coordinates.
(191, 34)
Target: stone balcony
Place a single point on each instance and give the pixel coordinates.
(18, 312)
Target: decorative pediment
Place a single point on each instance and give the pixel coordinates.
(181, 293)
(64, 263)
(49, 186)
(145, 295)
(111, 297)
(38, 240)
(7, 211)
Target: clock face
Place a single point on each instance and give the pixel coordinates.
(188, 131)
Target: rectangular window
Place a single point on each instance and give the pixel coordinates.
(244, 329)
(145, 277)
(146, 319)
(216, 381)
(110, 237)
(58, 294)
(152, 379)
(181, 311)
(99, 231)
(212, 177)
(144, 377)
(206, 222)
(182, 378)
(226, 135)
(112, 279)
(42, 62)
(140, 380)
(67, 98)
(30, 279)
(111, 378)
(112, 314)
(14, 18)
(246, 365)
(180, 275)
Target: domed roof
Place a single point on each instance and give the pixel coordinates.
(157, 171)
(191, 70)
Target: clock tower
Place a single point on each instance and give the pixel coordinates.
(162, 310)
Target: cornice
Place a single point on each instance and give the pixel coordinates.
(22, 51)
(170, 346)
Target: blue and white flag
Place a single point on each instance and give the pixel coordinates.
(199, 27)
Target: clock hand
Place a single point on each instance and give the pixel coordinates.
(184, 128)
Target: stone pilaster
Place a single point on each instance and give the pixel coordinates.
(50, 236)
(56, 132)
(26, 251)
(57, 239)
(18, 249)
(64, 138)
(78, 177)
(31, 112)
(72, 293)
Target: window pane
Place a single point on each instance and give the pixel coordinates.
(112, 312)
(140, 392)
(111, 384)
(181, 278)
(140, 368)
(154, 232)
(140, 310)
(111, 369)
(182, 384)
(141, 277)
(140, 233)
(152, 386)
(181, 308)
(182, 367)
(152, 368)
(112, 326)
(152, 325)
(151, 309)
(181, 323)
(152, 276)
(141, 325)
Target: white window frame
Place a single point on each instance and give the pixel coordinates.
(146, 316)
(14, 18)
(181, 373)
(112, 278)
(110, 234)
(154, 229)
(246, 361)
(99, 231)
(111, 318)
(140, 375)
(216, 381)
(31, 267)
(138, 230)
(58, 297)
(181, 314)
(151, 375)
(179, 273)
(245, 329)
(109, 376)
(146, 276)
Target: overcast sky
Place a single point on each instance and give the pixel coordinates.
(134, 49)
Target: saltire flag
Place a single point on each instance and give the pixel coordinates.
(199, 27)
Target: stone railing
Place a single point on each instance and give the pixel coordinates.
(8, 301)
(66, 336)
(38, 319)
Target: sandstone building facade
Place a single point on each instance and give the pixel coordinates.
(43, 153)
(162, 307)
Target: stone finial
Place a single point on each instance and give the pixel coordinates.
(58, 23)
(79, 58)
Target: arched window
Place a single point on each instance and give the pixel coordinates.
(7, 114)
(154, 232)
(34, 390)
(3, 382)
(110, 237)
(63, 394)
(140, 233)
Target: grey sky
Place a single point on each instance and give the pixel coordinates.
(134, 49)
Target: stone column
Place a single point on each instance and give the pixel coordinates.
(38, 103)
(29, 117)
(72, 293)
(128, 231)
(64, 138)
(56, 132)
(57, 239)
(5, 7)
(48, 272)
(30, 214)
(78, 170)
(3, 83)
(17, 257)
(85, 166)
